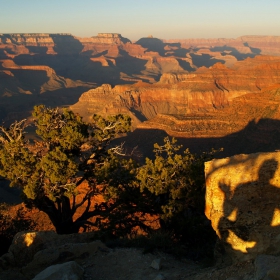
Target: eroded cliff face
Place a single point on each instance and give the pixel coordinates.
(268, 45)
(185, 76)
(105, 38)
(144, 102)
(204, 91)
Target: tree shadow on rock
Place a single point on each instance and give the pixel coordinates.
(249, 208)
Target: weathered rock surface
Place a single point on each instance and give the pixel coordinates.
(131, 263)
(27, 244)
(267, 267)
(32, 64)
(66, 271)
(32, 252)
(206, 90)
(245, 44)
(60, 254)
(242, 202)
(106, 38)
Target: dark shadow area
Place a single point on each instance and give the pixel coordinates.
(27, 59)
(138, 115)
(178, 53)
(152, 45)
(31, 79)
(7, 194)
(253, 50)
(261, 136)
(75, 67)
(66, 44)
(130, 65)
(204, 60)
(234, 52)
(185, 65)
(37, 50)
(2, 55)
(181, 52)
(80, 67)
(3, 113)
(20, 106)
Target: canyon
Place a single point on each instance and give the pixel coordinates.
(198, 90)
(208, 93)
(205, 89)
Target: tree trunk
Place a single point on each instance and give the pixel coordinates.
(60, 214)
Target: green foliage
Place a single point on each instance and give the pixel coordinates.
(110, 127)
(69, 153)
(177, 180)
(60, 128)
(128, 204)
(170, 188)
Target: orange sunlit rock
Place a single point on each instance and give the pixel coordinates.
(242, 202)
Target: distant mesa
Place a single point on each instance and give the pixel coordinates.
(181, 76)
(109, 38)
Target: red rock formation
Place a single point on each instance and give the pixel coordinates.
(53, 82)
(268, 45)
(265, 44)
(237, 44)
(105, 38)
(206, 90)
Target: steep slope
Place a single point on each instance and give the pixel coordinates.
(206, 90)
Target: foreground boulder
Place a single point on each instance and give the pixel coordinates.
(32, 252)
(26, 244)
(66, 271)
(243, 203)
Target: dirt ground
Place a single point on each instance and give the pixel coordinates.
(132, 264)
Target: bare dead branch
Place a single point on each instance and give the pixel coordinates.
(118, 150)
(111, 126)
(14, 133)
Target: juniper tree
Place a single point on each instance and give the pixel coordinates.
(66, 153)
(176, 179)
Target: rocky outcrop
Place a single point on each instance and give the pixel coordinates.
(22, 43)
(245, 44)
(144, 102)
(50, 82)
(69, 270)
(27, 39)
(268, 45)
(242, 202)
(105, 38)
(205, 90)
(35, 251)
(194, 75)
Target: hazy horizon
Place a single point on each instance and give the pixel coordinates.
(136, 19)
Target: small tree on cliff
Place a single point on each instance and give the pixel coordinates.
(177, 181)
(68, 153)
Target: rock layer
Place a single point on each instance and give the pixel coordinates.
(206, 90)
